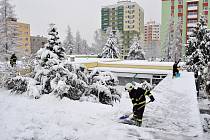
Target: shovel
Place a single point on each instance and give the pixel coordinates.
(127, 115)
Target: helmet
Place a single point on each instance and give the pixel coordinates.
(129, 86)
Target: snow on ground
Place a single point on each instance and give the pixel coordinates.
(177, 111)
(174, 115)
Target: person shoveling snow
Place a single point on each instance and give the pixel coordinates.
(138, 98)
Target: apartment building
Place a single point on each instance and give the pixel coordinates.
(186, 11)
(151, 31)
(152, 40)
(126, 17)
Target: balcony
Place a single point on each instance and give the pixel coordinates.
(192, 16)
(191, 24)
(192, 8)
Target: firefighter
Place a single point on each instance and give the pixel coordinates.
(13, 60)
(139, 101)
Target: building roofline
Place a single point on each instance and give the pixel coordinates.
(122, 3)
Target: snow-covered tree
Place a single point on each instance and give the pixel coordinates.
(136, 51)
(103, 88)
(176, 46)
(167, 47)
(85, 47)
(198, 51)
(111, 48)
(57, 76)
(100, 39)
(78, 43)
(69, 42)
(8, 28)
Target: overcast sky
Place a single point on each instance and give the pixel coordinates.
(81, 15)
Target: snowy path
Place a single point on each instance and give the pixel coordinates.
(174, 115)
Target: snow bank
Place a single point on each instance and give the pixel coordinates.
(174, 115)
(176, 108)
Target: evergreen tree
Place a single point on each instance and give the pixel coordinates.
(176, 47)
(198, 51)
(48, 57)
(136, 52)
(8, 28)
(78, 43)
(111, 49)
(100, 39)
(167, 47)
(69, 42)
(103, 88)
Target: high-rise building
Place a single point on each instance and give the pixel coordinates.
(185, 11)
(151, 31)
(126, 17)
(152, 40)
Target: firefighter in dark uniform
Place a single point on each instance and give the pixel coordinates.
(139, 101)
(13, 60)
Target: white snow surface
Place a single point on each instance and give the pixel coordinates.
(132, 70)
(173, 115)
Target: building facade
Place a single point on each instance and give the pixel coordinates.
(126, 17)
(151, 31)
(152, 40)
(37, 42)
(185, 11)
(24, 38)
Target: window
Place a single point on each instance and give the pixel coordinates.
(192, 4)
(180, 2)
(205, 0)
(205, 8)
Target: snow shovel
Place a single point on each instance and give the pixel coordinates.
(127, 115)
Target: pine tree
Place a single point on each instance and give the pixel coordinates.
(78, 43)
(69, 42)
(136, 52)
(111, 49)
(48, 57)
(198, 51)
(167, 47)
(176, 46)
(100, 39)
(103, 88)
(8, 28)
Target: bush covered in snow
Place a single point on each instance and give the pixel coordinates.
(103, 88)
(24, 85)
(52, 74)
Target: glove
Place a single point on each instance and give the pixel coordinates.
(152, 99)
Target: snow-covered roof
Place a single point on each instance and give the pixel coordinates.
(131, 70)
